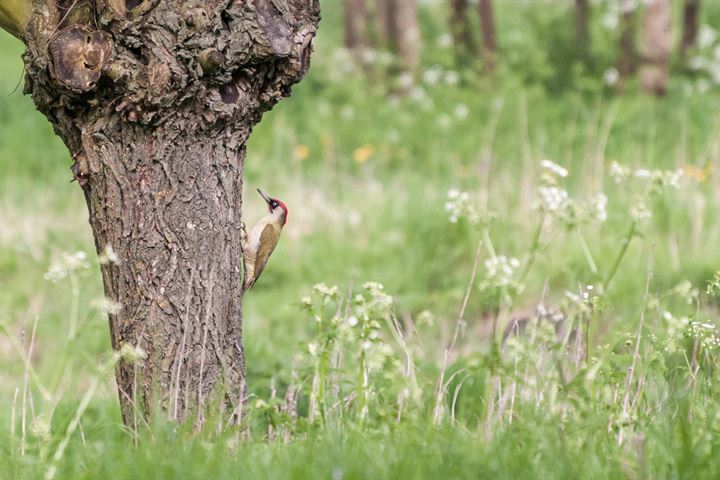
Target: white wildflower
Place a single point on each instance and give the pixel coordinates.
(326, 291)
(618, 172)
(640, 212)
(432, 75)
(131, 353)
(443, 121)
(109, 256)
(451, 78)
(499, 270)
(347, 112)
(444, 40)
(611, 77)
(313, 349)
(642, 173)
(706, 36)
(419, 96)
(554, 168)
(461, 111)
(610, 19)
(600, 207)
(553, 199)
(106, 305)
(66, 264)
(405, 81)
(458, 206)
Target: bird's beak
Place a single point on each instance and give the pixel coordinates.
(265, 197)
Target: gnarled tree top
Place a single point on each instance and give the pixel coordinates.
(229, 60)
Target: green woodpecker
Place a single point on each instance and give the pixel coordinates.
(263, 239)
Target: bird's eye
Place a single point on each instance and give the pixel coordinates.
(274, 204)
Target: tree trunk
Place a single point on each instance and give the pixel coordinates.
(156, 101)
(384, 14)
(489, 44)
(582, 35)
(690, 26)
(627, 61)
(657, 45)
(406, 33)
(461, 31)
(355, 25)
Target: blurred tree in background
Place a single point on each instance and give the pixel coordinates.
(392, 25)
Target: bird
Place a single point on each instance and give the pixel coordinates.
(263, 239)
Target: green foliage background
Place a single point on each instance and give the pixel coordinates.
(365, 173)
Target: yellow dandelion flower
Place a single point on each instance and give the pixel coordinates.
(362, 154)
(301, 152)
(698, 174)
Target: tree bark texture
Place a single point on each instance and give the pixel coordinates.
(461, 29)
(489, 43)
(406, 33)
(156, 101)
(656, 47)
(691, 9)
(355, 25)
(627, 61)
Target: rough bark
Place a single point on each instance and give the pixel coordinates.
(406, 33)
(461, 29)
(355, 25)
(156, 100)
(627, 60)
(691, 9)
(656, 47)
(489, 44)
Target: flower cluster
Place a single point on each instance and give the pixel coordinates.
(706, 61)
(555, 201)
(499, 270)
(654, 178)
(680, 329)
(66, 264)
(459, 207)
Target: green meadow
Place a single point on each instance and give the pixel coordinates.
(422, 227)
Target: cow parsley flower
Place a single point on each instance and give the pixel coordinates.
(66, 264)
(640, 212)
(554, 168)
(553, 199)
(458, 206)
(599, 204)
(499, 270)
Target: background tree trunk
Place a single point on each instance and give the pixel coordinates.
(656, 48)
(691, 9)
(627, 61)
(384, 14)
(355, 25)
(156, 100)
(582, 30)
(461, 31)
(489, 44)
(406, 33)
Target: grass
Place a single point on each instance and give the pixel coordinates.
(366, 175)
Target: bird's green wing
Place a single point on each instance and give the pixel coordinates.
(268, 240)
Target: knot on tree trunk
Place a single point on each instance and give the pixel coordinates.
(78, 56)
